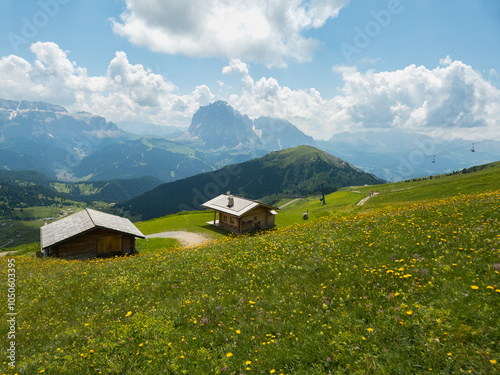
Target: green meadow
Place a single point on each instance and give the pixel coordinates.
(408, 283)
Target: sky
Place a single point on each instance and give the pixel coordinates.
(327, 66)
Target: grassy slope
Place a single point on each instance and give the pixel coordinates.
(346, 200)
(191, 222)
(167, 145)
(443, 186)
(410, 287)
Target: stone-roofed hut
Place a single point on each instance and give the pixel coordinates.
(240, 215)
(88, 234)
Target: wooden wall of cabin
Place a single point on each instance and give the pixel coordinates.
(257, 218)
(128, 246)
(97, 242)
(228, 222)
(260, 217)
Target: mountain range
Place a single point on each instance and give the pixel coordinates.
(46, 137)
(85, 147)
(294, 171)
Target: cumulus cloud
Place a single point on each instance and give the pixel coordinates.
(266, 31)
(266, 97)
(125, 93)
(451, 100)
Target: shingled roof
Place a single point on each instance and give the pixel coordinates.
(239, 207)
(84, 221)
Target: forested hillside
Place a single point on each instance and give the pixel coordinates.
(291, 172)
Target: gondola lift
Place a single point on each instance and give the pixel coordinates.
(472, 149)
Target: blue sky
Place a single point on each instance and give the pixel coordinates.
(327, 66)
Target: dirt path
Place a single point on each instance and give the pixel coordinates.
(185, 238)
(362, 201)
(286, 204)
(4, 253)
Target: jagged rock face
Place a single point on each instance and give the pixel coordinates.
(218, 126)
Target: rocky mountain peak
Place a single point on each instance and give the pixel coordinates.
(15, 105)
(219, 126)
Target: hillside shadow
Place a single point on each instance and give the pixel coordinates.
(252, 233)
(214, 229)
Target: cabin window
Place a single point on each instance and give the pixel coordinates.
(231, 220)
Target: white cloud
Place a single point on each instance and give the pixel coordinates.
(266, 97)
(452, 97)
(127, 92)
(237, 67)
(266, 31)
(451, 100)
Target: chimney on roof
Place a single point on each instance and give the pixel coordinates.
(230, 201)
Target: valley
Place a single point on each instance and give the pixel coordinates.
(29, 199)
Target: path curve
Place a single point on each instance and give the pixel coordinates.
(362, 201)
(185, 238)
(286, 204)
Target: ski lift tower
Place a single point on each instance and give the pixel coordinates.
(322, 199)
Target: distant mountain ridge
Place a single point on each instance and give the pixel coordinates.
(152, 130)
(294, 171)
(82, 146)
(20, 105)
(48, 137)
(85, 147)
(161, 158)
(396, 155)
(218, 125)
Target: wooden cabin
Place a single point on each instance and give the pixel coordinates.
(240, 215)
(89, 234)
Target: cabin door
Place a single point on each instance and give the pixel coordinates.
(109, 244)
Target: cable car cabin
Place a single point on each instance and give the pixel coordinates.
(240, 215)
(89, 234)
